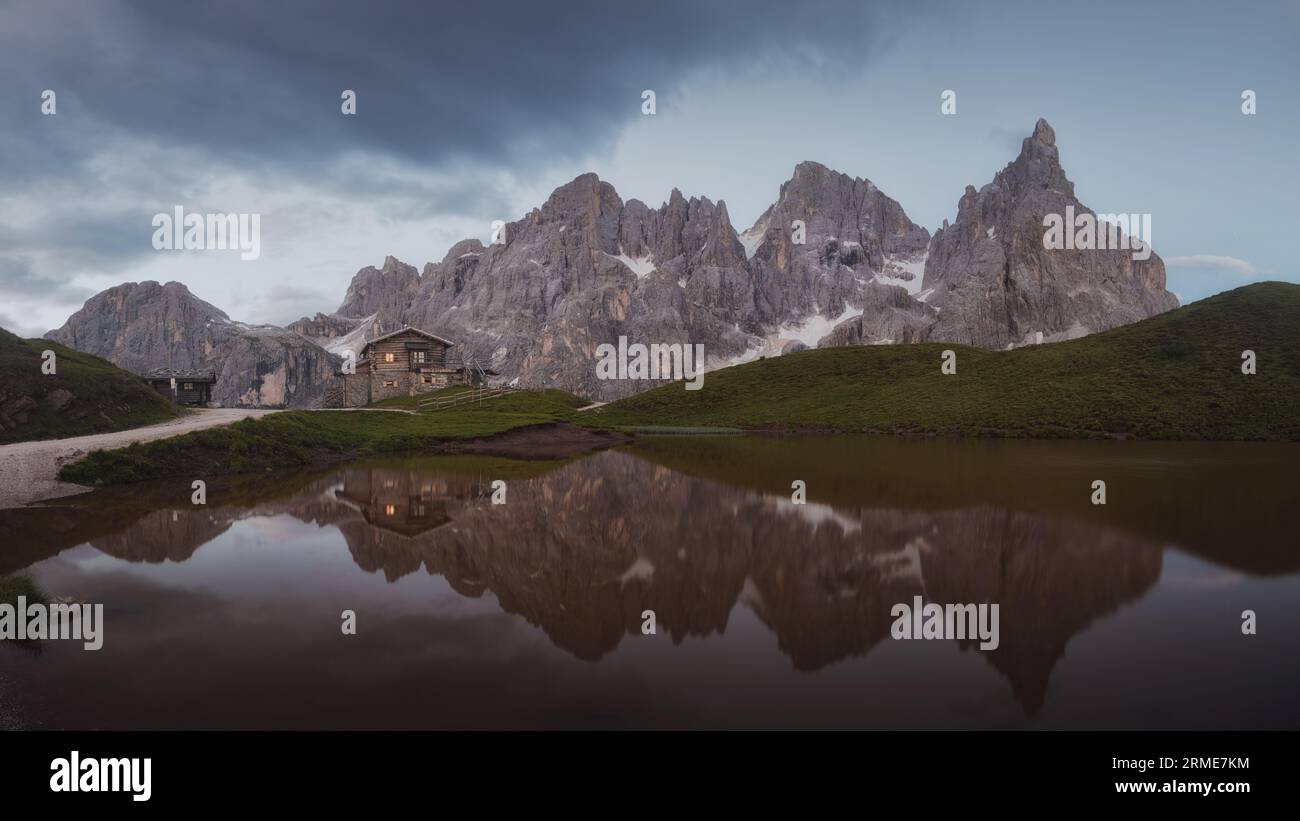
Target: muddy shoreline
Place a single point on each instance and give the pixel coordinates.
(550, 440)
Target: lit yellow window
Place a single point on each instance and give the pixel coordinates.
(388, 357)
(390, 510)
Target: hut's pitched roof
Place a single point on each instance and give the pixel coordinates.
(182, 375)
(408, 330)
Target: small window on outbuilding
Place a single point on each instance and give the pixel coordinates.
(389, 357)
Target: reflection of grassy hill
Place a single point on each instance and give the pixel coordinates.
(1228, 502)
(86, 394)
(1174, 376)
(11, 587)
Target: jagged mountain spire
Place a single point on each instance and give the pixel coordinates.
(997, 285)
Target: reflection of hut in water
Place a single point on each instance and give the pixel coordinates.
(403, 501)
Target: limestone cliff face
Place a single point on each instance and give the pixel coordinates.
(855, 241)
(385, 291)
(145, 325)
(587, 268)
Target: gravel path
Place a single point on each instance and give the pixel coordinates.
(28, 469)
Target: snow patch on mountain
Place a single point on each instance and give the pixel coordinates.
(905, 272)
(353, 341)
(752, 239)
(812, 328)
(807, 331)
(641, 266)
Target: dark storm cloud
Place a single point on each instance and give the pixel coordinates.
(436, 82)
(235, 105)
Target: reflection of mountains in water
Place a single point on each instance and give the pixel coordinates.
(581, 551)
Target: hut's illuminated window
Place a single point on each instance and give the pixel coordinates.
(388, 357)
(390, 510)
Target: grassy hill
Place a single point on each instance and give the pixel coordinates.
(529, 402)
(1174, 376)
(86, 394)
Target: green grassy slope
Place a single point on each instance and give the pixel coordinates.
(549, 401)
(299, 438)
(1174, 376)
(86, 394)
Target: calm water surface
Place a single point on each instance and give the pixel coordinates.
(769, 614)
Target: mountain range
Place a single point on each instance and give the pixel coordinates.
(833, 261)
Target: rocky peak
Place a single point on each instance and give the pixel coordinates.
(849, 225)
(141, 326)
(998, 286)
(586, 205)
(1043, 133)
(386, 289)
(1038, 165)
(835, 206)
(464, 248)
(394, 266)
(106, 314)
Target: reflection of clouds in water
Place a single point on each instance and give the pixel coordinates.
(1209, 578)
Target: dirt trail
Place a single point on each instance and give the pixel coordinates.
(28, 469)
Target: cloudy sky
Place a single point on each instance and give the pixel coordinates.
(467, 113)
